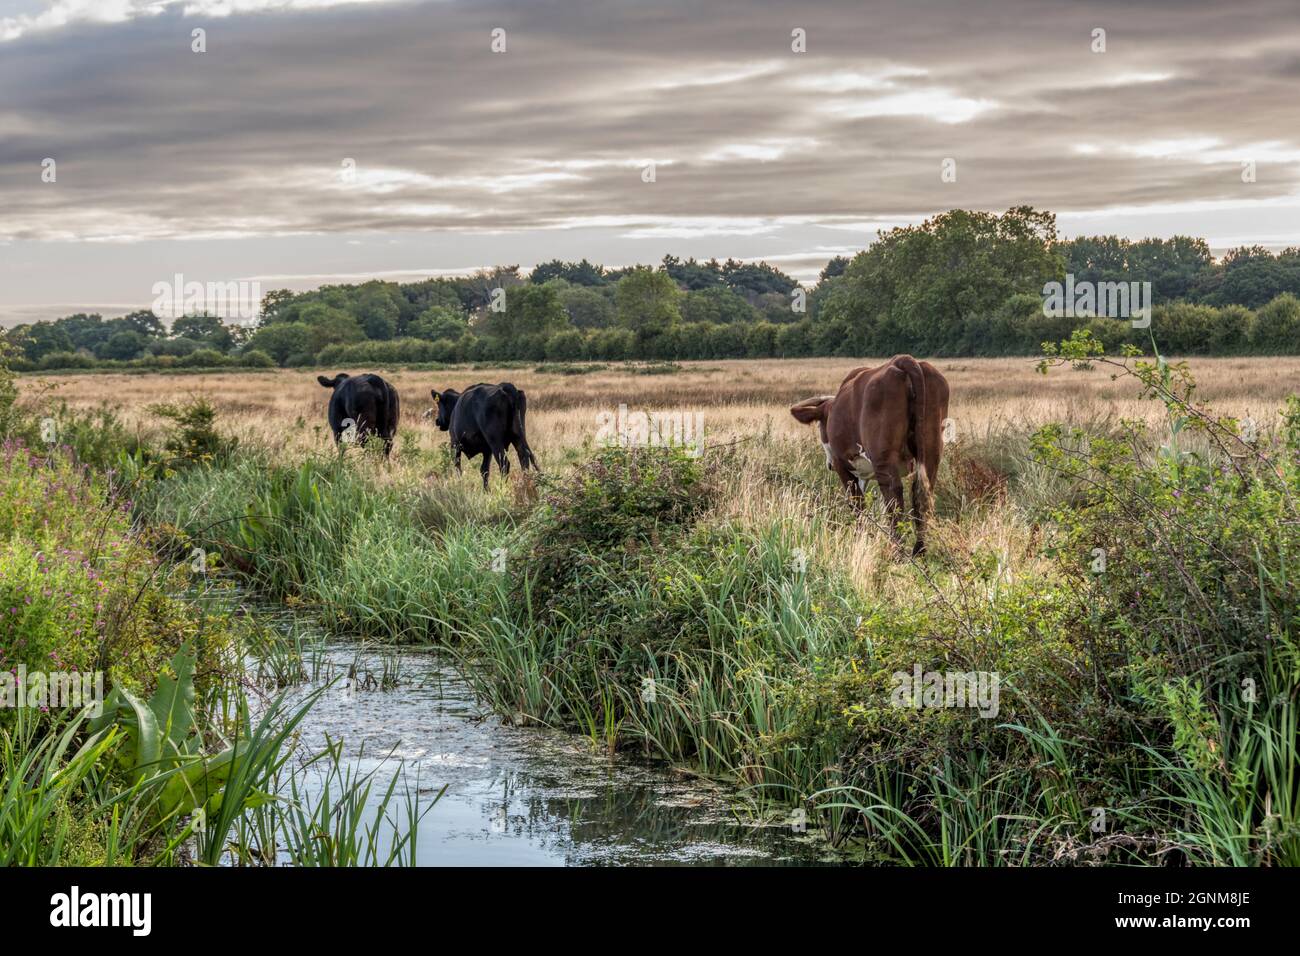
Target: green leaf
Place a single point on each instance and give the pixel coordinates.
(141, 748)
(172, 704)
(194, 784)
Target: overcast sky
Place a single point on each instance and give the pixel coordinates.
(229, 164)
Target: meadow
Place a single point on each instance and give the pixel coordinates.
(1106, 543)
(736, 396)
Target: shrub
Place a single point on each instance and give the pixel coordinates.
(282, 341)
(726, 341)
(203, 358)
(445, 351)
(566, 346)
(626, 500)
(1192, 610)
(174, 347)
(255, 358)
(611, 344)
(1112, 333)
(194, 440)
(1183, 328)
(794, 340)
(760, 339)
(96, 437)
(66, 360)
(1231, 333)
(1276, 328)
(438, 322)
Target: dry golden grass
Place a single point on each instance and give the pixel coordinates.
(774, 477)
(737, 398)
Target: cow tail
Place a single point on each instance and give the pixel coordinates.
(521, 412)
(918, 408)
(394, 411)
(519, 401)
(518, 404)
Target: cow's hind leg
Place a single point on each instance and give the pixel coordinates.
(503, 463)
(919, 507)
(487, 464)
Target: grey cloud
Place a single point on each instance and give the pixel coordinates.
(155, 142)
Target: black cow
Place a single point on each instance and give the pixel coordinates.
(486, 420)
(366, 404)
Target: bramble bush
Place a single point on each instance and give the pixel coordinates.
(1194, 610)
(624, 501)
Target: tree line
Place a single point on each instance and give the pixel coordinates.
(963, 283)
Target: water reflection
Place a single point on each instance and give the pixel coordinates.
(524, 796)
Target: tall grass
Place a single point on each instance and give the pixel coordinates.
(43, 775)
(368, 560)
(328, 813)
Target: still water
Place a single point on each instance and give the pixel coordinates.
(525, 796)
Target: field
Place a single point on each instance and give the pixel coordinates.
(738, 398)
(770, 622)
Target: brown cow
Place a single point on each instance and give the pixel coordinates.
(884, 423)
